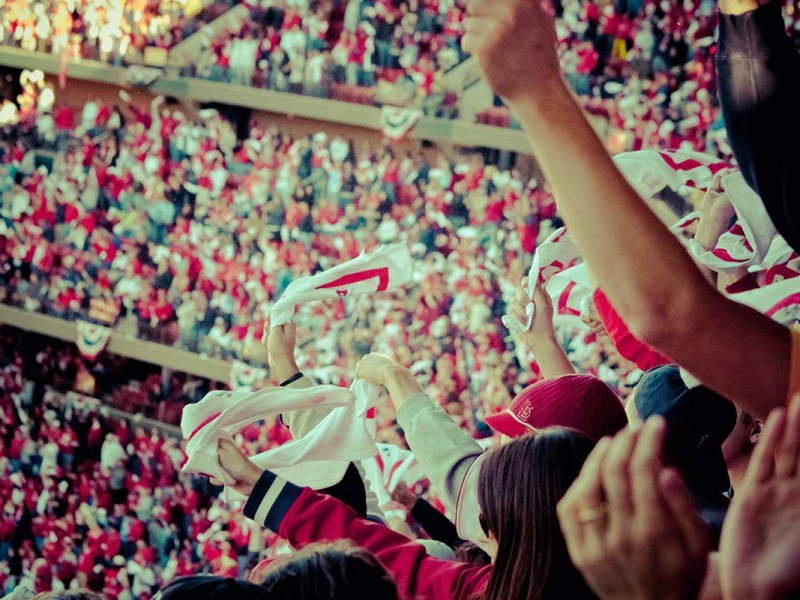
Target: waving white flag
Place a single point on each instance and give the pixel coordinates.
(385, 269)
(318, 460)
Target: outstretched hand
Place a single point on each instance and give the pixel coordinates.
(760, 545)
(630, 524)
(514, 42)
(238, 467)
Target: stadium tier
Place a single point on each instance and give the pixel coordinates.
(399, 299)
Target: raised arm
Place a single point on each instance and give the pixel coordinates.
(301, 516)
(758, 73)
(448, 455)
(647, 275)
(540, 339)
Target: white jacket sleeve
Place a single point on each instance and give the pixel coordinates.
(449, 457)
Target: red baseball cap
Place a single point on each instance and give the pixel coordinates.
(581, 402)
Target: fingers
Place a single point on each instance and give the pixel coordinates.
(762, 463)
(480, 8)
(614, 472)
(684, 512)
(644, 467)
(787, 453)
(477, 29)
(522, 296)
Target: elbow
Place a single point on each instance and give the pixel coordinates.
(666, 323)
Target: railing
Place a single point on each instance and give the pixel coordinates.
(121, 343)
(443, 131)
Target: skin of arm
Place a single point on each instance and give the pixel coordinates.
(401, 385)
(738, 7)
(647, 275)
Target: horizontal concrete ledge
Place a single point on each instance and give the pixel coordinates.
(123, 345)
(444, 131)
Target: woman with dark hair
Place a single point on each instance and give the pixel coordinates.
(520, 485)
(327, 572)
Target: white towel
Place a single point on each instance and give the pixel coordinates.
(385, 269)
(746, 243)
(317, 460)
(650, 171)
(556, 254)
(779, 301)
(388, 467)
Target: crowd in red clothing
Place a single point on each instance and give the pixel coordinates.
(99, 502)
(316, 47)
(119, 33)
(168, 221)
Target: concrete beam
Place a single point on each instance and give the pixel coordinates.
(123, 345)
(442, 131)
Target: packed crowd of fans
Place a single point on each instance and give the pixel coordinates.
(115, 32)
(166, 221)
(318, 48)
(688, 489)
(99, 502)
(644, 67)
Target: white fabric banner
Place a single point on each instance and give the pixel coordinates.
(385, 269)
(317, 460)
(92, 339)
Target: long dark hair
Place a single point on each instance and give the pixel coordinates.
(518, 488)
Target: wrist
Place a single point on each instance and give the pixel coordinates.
(401, 385)
(284, 369)
(250, 480)
(541, 340)
(533, 103)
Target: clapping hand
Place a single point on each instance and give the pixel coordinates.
(630, 524)
(760, 545)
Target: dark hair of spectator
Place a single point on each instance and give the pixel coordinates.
(518, 489)
(338, 571)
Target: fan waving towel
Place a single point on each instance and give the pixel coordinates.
(651, 171)
(557, 253)
(385, 269)
(317, 460)
(748, 240)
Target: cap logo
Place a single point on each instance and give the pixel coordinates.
(524, 411)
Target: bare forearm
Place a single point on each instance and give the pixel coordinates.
(401, 385)
(550, 357)
(617, 233)
(644, 270)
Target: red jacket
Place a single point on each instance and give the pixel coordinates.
(628, 346)
(302, 516)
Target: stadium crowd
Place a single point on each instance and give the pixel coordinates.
(167, 221)
(644, 67)
(96, 501)
(647, 67)
(687, 490)
(115, 32)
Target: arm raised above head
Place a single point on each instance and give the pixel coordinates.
(647, 275)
